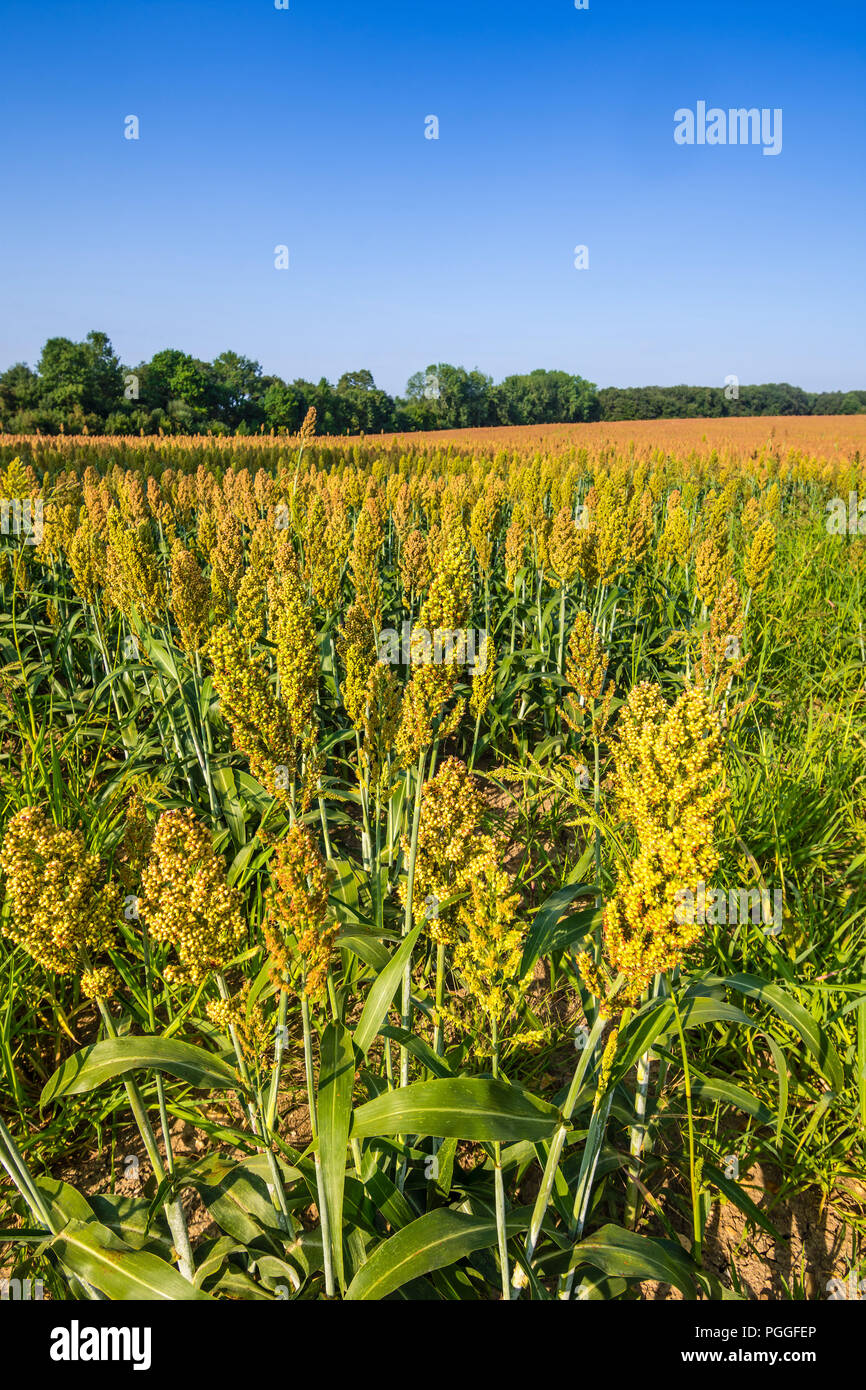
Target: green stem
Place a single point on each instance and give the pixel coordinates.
(586, 1177)
(15, 1166)
(406, 998)
(255, 1112)
(555, 1154)
(475, 740)
(314, 1131)
(282, 1015)
(693, 1177)
(173, 1209)
(499, 1189)
(438, 1033)
(560, 656)
(638, 1138)
(22, 1178)
(324, 819)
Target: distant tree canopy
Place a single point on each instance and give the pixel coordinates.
(684, 402)
(83, 388)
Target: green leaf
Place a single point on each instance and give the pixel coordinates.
(710, 1088)
(224, 783)
(796, 1016)
(782, 1072)
(334, 1108)
(549, 933)
(103, 1061)
(259, 1165)
(131, 1219)
(345, 888)
(237, 1198)
(625, 1254)
(212, 1257)
(389, 1200)
(656, 1024)
(96, 1256)
(161, 656)
(64, 1202)
(239, 868)
(445, 1159)
(364, 945)
(735, 1194)
(431, 1242)
(382, 992)
(275, 1272)
(418, 1047)
(460, 1108)
(236, 1284)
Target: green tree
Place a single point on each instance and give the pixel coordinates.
(238, 382)
(361, 406)
(19, 389)
(155, 377)
(447, 397)
(285, 406)
(543, 397)
(85, 375)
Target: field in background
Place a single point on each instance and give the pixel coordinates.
(827, 436)
(524, 962)
(819, 437)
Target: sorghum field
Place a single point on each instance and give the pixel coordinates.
(432, 867)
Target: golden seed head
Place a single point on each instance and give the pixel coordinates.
(60, 907)
(759, 560)
(185, 900)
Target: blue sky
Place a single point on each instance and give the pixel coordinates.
(305, 127)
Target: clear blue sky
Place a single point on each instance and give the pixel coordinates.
(305, 127)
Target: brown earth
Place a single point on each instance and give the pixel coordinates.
(818, 1242)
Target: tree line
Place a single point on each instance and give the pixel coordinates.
(79, 388)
